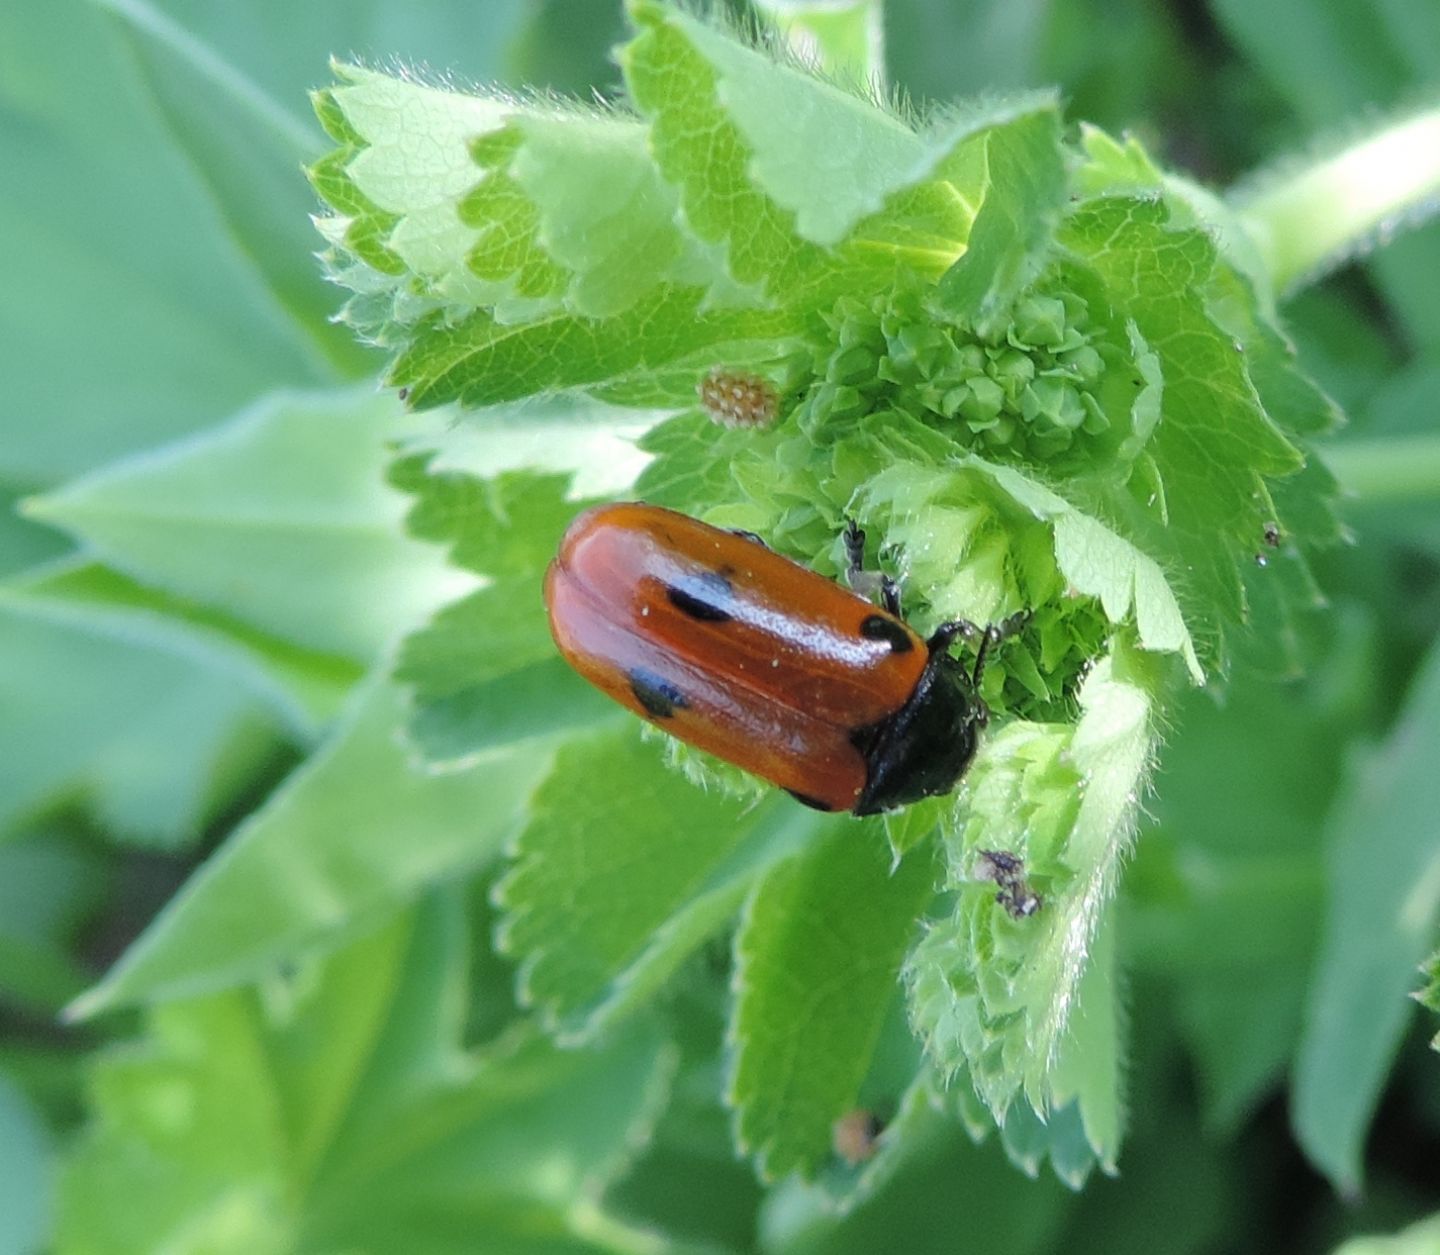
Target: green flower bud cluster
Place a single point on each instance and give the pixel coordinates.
(964, 550)
(1029, 391)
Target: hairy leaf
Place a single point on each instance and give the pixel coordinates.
(1025, 187)
(1214, 444)
(337, 1108)
(1384, 879)
(133, 723)
(288, 524)
(357, 831)
(606, 897)
(818, 953)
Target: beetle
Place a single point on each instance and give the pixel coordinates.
(741, 652)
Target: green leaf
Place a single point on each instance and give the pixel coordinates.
(1100, 563)
(1088, 1080)
(1113, 745)
(1420, 1238)
(652, 354)
(483, 670)
(948, 1190)
(408, 192)
(564, 45)
(50, 885)
(575, 203)
(247, 149)
(531, 703)
(1214, 444)
(818, 954)
(134, 724)
(1226, 892)
(1331, 64)
(492, 633)
(506, 524)
(605, 899)
(596, 445)
(24, 542)
(1384, 880)
(26, 1172)
(1429, 995)
(335, 1110)
(1024, 1003)
(356, 831)
(302, 688)
(1025, 188)
(51, 888)
(824, 155)
(288, 524)
(1177, 1189)
(700, 149)
(131, 325)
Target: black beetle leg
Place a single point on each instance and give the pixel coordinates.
(868, 583)
(854, 551)
(943, 636)
(948, 633)
(890, 596)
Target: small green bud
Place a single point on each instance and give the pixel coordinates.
(951, 402)
(1084, 364)
(1039, 321)
(982, 406)
(888, 370)
(1012, 370)
(1096, 419)
(1077, 309)
(1052, 402)
(970, 359)
(854, 365)
(829, 400)
(1002, 431)
(861, 331)
(921, 343)
(848, 311)
(1050, 442)
(932, 397)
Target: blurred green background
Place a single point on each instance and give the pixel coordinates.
(162, 673)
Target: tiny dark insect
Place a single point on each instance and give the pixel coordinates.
(1007, 872)
(741, 652)
(1272, 535)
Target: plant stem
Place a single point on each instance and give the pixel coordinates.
(1311, 217)
(1388, 470)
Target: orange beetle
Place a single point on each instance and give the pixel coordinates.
(739, 651)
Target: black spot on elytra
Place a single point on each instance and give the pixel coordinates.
(703, 597)
(660, 698)
(814, 803)
(880, 628)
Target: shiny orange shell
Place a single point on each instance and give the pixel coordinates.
(731, 647)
